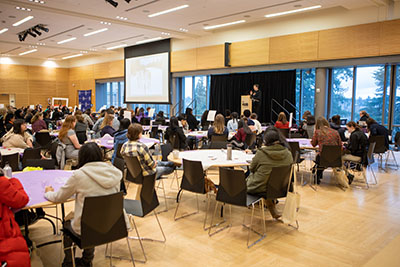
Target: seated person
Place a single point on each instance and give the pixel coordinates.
(375, 129)
(218, 129)
(80, 128)
(106, 125)
(257, 124)
(48, 121)
(302, 131)
(204, 123)
(38, 123)
(233, 123)
(336, 125)
(240, 137)
(191, 120)
(323, 135)
(9, 121)
(93, 178)
(160, 119)
(282, 122)
(134, 148)
(356, 148)
(68, 137)
(364, 116)
(246, 115)
(274, 153)
(18, 137)
(120, 136)
(174, 130)
(13, 248)
(115, 122)
(183, 123)
(309, 126)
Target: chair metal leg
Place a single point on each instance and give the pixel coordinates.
(186, 215)
(161, 181)
(73, 255)
(250, 228)
(208, 207)
(215, 225)
(130, 252)
(111, 254)
(140, 240)
(162, 232)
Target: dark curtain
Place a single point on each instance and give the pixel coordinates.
(226, 91)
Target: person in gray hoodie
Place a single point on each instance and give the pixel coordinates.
(93, 178)
(274, 153)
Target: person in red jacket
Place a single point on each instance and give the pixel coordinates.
(13, 248)
(282, 122)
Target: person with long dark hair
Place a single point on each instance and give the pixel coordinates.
(375, 129)
(273, 153)
(18, 137)
(95, 177)
(239, 140)
(203, 122)
(191, 120)
(174, 130)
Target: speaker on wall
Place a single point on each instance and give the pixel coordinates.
(227, 54)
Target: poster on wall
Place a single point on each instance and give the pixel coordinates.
(85, 99)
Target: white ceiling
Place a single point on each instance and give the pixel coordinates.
(73, 18)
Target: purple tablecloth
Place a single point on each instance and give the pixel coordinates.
(34, 183)
(108, 141)
(302, 142)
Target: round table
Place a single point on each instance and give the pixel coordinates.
(214, 158)
(107, 141)
(9, 151)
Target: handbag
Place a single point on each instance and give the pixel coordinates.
(292, 203)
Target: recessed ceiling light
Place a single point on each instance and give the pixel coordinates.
(3, 30)
(148, 40)
(23, 8)
(66, 40)
(185, 30)
(166, 33)
(105, 22)
(33, 46)
(95, 32)
(168, 11)
(223, 25)
(40, 43)
(84, 52)
(93, 49)
(37, 1)
(28, 52)
(22, 21)
(292, 11)
(121, 18)
(116, 47)
(72, 56)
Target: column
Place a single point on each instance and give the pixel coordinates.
(321, 92)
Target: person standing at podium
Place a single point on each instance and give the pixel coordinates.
(255, 96)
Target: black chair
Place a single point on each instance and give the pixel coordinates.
(30, 153)
(174, 141)
(119, 155)
(381, 150)
(193, 180)
(219, 138)
(295, 149)
(140, 208)
(166, 149)
(43, 139)
(330, 157)
(145, 121)
(154, 132)
(232, 190)
(284, 132)
(119, 163)
(278, 182)
(102, 222)
(46, 164)
(216, 145)
(53, 151)
(82, 137)
(134, 173)
(12, 160)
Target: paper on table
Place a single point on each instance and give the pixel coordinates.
(151, 113)
(290, 120)
(211, 115)
(127, 115)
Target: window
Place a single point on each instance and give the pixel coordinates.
(387, 96)
(157, 108)
(110, 94)
(342, 92)
(369, 91)
(188, 92)
(200, 95)
(305, 91)
(194, 94)
(396, 106)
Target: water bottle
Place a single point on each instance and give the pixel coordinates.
(7, 171)
(229, 152)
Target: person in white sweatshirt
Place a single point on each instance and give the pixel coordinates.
(93, 178)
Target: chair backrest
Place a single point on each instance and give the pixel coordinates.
(217, 145)
(148, 196)
(193, 177)
(166, 149)
(295, 147)
(250, 139)
(43, 138)
(154, 132)
(119, 163)
(310, 131)
(12, 160)
(46, 164)
(103, 220)
(232, 187)
(284, 132)
(331, 156)
(81, 135)
(219, 138)
(370, 154)
(134, 169)
(53, 150)
(380, 146)
(174, 141)
(119, 155)
(145, 121)
(278, 182)
(30, 153)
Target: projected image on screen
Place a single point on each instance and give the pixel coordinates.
(147, 78)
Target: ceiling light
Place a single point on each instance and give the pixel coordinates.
(28, 52)
(23, 8)
(36, 31)
(77, 55)
(50, 64)
(66, 40)
(40, 43)
(93, 49)
(121, 18)
(3, 30)
(168, 11)
(116, 47)
(105, 23)
(83, 52)
(223, 25)
(95, 32)
(37, 1)
(31, 33)
(5, 60)
(292, 11)
(148, 40)
(166, 33)
(22, 36)
(111, 2)
(183, 30)
(22, 21)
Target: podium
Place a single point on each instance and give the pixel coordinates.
(245, 103)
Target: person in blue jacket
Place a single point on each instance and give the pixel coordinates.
(120, 136)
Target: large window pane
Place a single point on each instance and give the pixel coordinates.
(369, 91)
(396, 118)
(387, 98)
(342, 92)
(188, 91)
(308, 88)
(298, 92)
(200, 95)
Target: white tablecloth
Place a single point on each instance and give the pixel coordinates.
(10, 151)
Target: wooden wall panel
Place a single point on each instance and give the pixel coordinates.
(116, 69)
(4, 99)
(183, 60)
(335, 43)
(62, 74)
(294, 48)
(38, 73)
(390, 37)
(249, 53)
(101, 70)
(210, 57)
(22, 100)
(365, 40)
